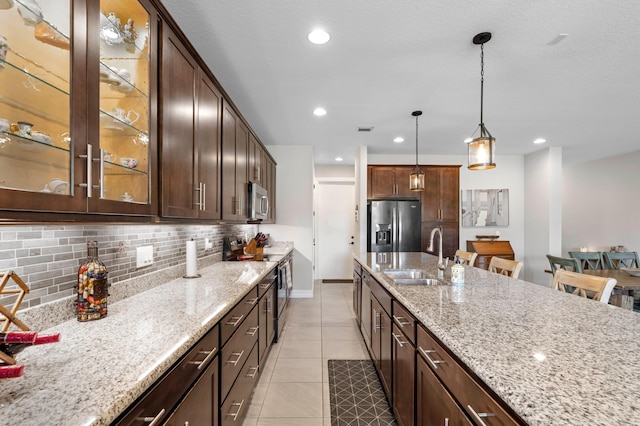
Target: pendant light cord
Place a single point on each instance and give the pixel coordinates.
(481, 85)
(416, 142)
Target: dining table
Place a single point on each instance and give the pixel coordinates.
(626, 285)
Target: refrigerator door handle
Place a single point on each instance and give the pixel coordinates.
(394, 229)
(399, 226)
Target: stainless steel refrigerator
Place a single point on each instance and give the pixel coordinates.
(393, 225)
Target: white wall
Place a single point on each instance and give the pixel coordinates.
(601, 201)
(294, 214)
(361, 199)
(330, 171)
(543, 212)
(509, 173)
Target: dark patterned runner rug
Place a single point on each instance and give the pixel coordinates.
(356, 395)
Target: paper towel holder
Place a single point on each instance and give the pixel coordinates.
(191, 251)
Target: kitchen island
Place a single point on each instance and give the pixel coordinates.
(100, 367)
(553, 358)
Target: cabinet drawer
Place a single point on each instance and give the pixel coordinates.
(405, 322)
(474, 399)
(266, 282)
(235, 352)
(235, 406)
(169, 389)
(230, 323)
(381, 294)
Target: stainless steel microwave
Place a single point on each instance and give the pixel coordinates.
(258, 201)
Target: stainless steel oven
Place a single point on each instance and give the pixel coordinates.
(285, 285)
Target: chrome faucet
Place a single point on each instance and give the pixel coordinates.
(441, 265)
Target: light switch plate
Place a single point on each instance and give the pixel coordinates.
(144, 256)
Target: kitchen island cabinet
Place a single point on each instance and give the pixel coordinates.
(504, 350)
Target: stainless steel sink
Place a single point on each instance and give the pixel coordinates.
(405, 273)
(411, 276)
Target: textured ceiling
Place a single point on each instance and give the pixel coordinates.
(388, 58)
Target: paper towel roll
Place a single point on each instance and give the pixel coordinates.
(192, 259)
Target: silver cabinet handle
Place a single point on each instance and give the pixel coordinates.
(237, 413)
(153, 421)
(206, 359)
(236, 354)
(446, 421)
(400, 342)
(101, 186)
(252, 332)
(203, 196)
(235, 321)
(400, 322)
(434, 363)
(89, 158)
(253, 373)
(479, 416)
(251, 301)
(199, 190)
(376, 321)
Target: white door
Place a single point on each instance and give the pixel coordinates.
(335, 230)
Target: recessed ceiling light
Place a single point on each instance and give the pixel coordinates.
(399, 139)
(318, 36)
(540, 140)
(319, 111)
(339, 158)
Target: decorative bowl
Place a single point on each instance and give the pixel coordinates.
(632, 271)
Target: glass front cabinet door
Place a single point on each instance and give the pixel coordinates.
(76, 89)
(124, 34)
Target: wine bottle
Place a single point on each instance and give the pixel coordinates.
(18, 337)
(9, 371)
(12, 349)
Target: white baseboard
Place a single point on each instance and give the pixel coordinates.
(301, 294)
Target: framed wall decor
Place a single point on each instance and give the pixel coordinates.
(484, 207)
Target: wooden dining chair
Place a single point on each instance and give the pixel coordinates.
(617, 260)
(467, 257)
(510, 268)
(589, 259)
(566, 263)
(580, 284)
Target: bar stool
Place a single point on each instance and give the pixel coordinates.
(510, 268)
(467, 257)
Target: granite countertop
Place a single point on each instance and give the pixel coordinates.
(100, 367)
(554, 358)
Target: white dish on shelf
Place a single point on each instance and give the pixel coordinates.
(41, 137)
(632, 271)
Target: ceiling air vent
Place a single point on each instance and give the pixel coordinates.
(365, 128)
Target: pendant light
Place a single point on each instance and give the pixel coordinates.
(481, 147)
(416, 179)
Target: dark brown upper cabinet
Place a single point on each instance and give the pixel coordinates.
(191, 135)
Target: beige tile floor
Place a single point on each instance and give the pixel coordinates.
(293, 387)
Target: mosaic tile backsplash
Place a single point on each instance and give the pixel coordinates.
(47, 257)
